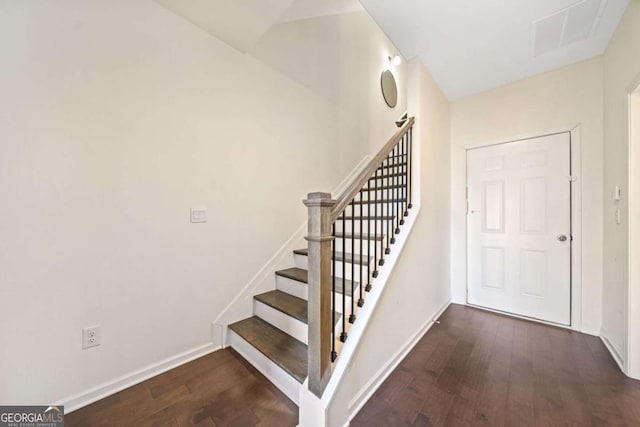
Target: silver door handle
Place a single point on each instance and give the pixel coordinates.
(562, 238)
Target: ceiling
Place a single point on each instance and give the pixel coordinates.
(305, 9)
(471, 46)
(241, 23)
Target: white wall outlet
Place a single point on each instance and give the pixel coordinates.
(198, 215)
(91, 337)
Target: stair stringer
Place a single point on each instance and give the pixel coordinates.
(313, 410)
(264, 280)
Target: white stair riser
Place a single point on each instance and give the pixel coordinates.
(393, 180)
(356, 243)
(394, 193)
(292, 287)
(290, 325)
(381, 226)
(278, 376)
(376, 209)
(302, 262)
(300, 290)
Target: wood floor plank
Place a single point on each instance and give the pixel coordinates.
(516, 373)
(473, 368)
(220, 389)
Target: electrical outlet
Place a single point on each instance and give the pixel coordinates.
(91, 337)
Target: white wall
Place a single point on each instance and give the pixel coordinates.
(621, 70)
(557, 99)
(419, 285)
(116, 117)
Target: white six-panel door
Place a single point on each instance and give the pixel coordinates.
(519, 228)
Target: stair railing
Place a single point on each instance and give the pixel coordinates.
(383, 189)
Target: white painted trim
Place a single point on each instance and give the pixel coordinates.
(241, 306)
(278, 376)
(612, 349)
(379, 377)
(576, 218)
(632, 307)
(101, 391)
(287, 324)
(576, 232)
(313, 410)
(522, 136)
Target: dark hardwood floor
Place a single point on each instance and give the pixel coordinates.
(484, 369)
(475, 368)
(220, 389)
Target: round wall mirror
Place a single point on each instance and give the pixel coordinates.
(389, 88)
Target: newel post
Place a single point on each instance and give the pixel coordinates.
(319, 281)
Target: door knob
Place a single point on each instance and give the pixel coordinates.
(562, 238)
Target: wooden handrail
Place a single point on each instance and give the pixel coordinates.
(350, 192)
(394, 159)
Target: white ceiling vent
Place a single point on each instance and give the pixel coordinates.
(573, 24)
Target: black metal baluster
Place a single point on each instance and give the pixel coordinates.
(392, 201)
(360, 299)
(396, 189)
(352, 316)
(343, 335)
(405, 175)
(375, 224)
(334, 355)
(384, 192)
(409, 165)
(403, 184)
(368, 258)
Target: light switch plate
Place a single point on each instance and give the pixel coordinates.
(198, 215)
(617, 193)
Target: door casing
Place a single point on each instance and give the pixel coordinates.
(631, 366)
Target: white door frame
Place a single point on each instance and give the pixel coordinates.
(576, 218)
(632, 304)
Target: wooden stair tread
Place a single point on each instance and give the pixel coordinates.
(340, 256)
(365, 236)
(295, 273)
(285, 303)
(301, 275)
(284, 350)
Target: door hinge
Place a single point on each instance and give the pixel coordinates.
(572, 178)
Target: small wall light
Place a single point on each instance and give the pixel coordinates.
(395, 60)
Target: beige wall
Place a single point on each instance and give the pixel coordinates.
(621, 71)
(116, 117)
(558, 99)
(419, 285)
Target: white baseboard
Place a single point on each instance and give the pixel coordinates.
(612, 349)
(94, 394)
(374, 383)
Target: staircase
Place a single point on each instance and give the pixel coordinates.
(359, 230)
